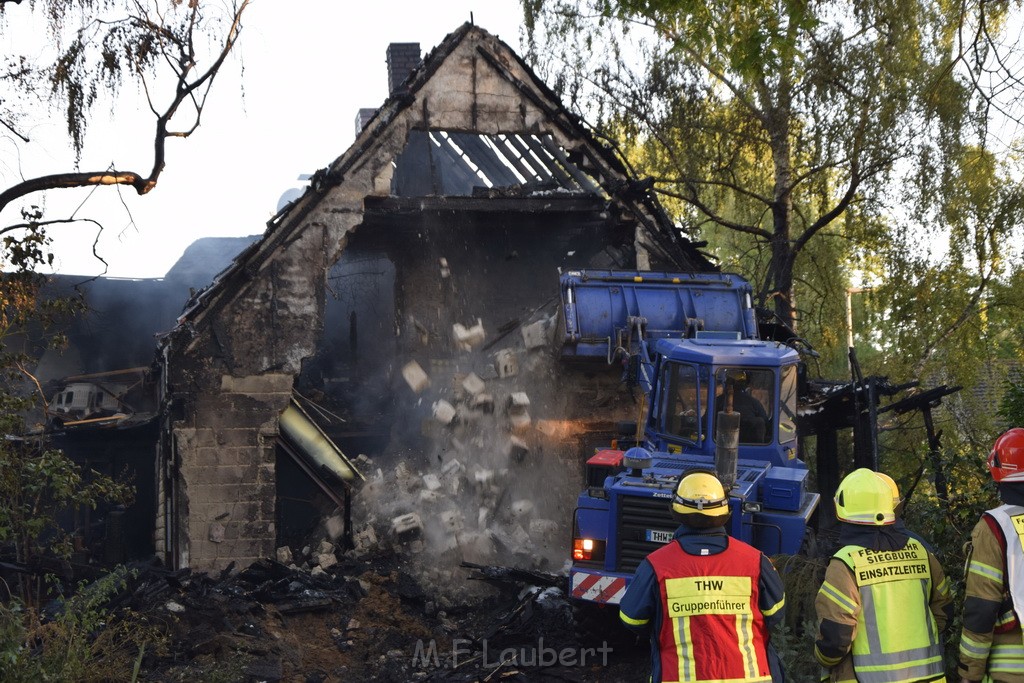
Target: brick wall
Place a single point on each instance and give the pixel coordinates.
(228, 471)
(403, 58)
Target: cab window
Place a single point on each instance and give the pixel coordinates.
(683, 407)
(787, 404)
(749, 392)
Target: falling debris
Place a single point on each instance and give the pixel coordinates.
(536, 335)
(444, 412)
(483, 402)
(505, 363)
(407, 527)
(518, 414)
(473, 385)
(415, 377)
(467, 339)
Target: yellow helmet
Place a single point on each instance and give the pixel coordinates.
(891, 483)
(699, 491)
(864, 498)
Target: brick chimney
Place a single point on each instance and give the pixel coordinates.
(402, 59)
(363, 118)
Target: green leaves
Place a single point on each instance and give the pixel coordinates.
(35, 485)
(1011, 407)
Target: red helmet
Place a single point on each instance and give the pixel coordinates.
(1006, 461)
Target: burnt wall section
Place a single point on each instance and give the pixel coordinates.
(228, 458)
(231, 376)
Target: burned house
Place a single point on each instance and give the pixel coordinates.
(432, 245)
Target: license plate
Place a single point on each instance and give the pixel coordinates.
(659, 536)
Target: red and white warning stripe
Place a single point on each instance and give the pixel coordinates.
(598, 588)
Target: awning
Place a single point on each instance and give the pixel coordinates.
(315, 453)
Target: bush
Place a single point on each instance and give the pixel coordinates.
(84, 641)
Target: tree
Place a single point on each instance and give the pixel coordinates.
(171, 50)
(773, 120)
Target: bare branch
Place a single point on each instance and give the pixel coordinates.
(185, 90)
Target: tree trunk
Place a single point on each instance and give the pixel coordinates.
(779, 282)
(782, 269)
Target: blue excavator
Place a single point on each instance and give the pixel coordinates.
(714, 396)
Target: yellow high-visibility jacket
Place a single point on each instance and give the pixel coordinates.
(841, 619)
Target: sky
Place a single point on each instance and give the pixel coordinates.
(284, 105)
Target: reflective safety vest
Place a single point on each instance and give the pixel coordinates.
(897, 638)
(711, 626)
(1011, 522)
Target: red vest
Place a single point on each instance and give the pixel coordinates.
(711, 626)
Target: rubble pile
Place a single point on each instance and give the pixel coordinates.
(366, 620)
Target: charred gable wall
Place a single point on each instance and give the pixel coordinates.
(232, 362)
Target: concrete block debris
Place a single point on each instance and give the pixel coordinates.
(464, 415)
(415, 377)
(326, 560)
(325, 548)
(518, 415)
(468, 338)
(483, 402)
(519, 422)
(476, 547)
(518, 401)
(483, 477)
(535, 335)
(446, 271)
(365, 540)
(284, 555)
(431, 482)
(444, 412)
(430, 497)
(407, 527)
(452, 467)
(505, 363)
(473, 385)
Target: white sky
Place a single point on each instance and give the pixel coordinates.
(309, 65)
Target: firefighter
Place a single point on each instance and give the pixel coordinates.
(708, 599)
(885, 599)
(991, 643)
